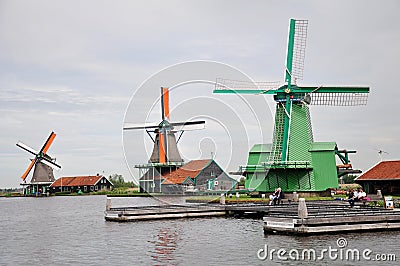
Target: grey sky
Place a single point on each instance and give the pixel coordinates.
(72, 67)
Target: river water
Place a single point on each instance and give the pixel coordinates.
(72, 231)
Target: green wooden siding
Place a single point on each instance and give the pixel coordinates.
(324, 163)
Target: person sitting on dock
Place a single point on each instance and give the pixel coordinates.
(278, 196)
(351, 198)
(355, 193)
(361, 194)
(272, 197)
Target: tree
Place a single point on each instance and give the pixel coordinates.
(115, 178)
(119, 181)
(349, 179)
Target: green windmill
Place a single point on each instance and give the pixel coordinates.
(293, 161)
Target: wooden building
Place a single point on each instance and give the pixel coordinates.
(223, 182)
(81, 183)
(384, 176)
(151, 175)
(197, 175)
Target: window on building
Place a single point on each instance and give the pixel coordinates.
(96, 187)
(85, 188)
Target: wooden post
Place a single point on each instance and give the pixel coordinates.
(222, 199)
(295, 197)
(108, 204)
(302, 211)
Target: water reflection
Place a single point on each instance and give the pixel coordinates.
(165, 246)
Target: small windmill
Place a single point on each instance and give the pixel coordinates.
(293, 146)
(165, 156)
(43, 173)
(165, 144)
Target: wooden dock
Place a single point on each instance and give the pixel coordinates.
(127, 214)
(293, 218)
(330, 219)
(140, 213)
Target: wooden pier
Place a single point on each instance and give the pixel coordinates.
(141, 213)
(127, 214)
(322, 219)
(293, 218)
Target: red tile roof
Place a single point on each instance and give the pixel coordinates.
(76, 181)
(176, 180)
(386, 170)
(191, 169)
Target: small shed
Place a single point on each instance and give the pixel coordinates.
(384, 176)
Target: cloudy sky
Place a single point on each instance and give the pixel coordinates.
(74, 67)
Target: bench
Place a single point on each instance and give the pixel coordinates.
(371, 198)
(289, 198)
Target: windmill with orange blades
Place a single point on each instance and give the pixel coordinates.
(165, 144)
(165, 156)
(43, 166)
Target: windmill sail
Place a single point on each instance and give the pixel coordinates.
(335, 95)
(26, 173)
(165, 148)
(299, 49)
(27, 148)
(41, 160)
(189, 125)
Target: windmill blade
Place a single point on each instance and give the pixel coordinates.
(187, 126)
(336, 95)
(49, 163)
(296, 50)
(48, 143)
(332, 89)
(162, 148)
(27, 148)
(129, 126)
(245, 87)
(26, 173)
(164, 103)
(299, 49)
